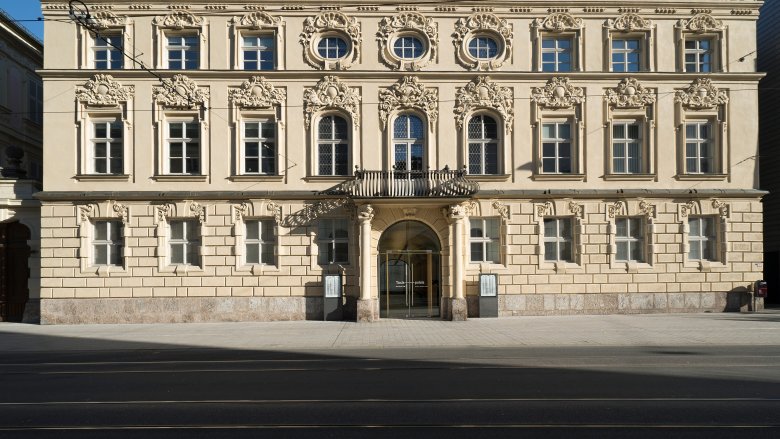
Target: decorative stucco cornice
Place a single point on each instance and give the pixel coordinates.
(414, 22)
(330, 21)
(257, 20)
(484, 93)
(256, 92)
(701, 94)
(180, 92)
(629, 93)
(408, 93)
(478, 23)
(179, 20)
(557, 94)
(106, 19)
(331, 93)
(103, 90)
(629, 22)
(701, 23)
(558, 22)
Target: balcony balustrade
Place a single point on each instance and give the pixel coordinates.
(411, 184)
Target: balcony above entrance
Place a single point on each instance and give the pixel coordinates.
(443, 183)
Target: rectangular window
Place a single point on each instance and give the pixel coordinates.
(107, 147)
(626, 148)
(557, 54)
(260, 147)
(699, 154)
(260, 241)
(35, 100)
(184, 241)
(558, 239)
(183, 148)
(107, 243)
(484, 240)
(698, 55)
(107, 52)
(183, 52)
(258, 52)
(333, 146)
(333, 241)
(556, 148)
(629, 239)
(702, 238)
(626, 55)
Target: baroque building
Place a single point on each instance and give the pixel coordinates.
(216, 161)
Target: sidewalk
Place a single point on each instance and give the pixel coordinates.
(611, 330)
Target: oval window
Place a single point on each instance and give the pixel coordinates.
(408, 47)
(483, 47)
(332, 48)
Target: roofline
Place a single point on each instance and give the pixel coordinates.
(22, 34)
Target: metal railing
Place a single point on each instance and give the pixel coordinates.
(407, 184)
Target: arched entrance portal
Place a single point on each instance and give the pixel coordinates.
(409, 271)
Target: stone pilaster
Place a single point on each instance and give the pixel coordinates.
(457, 309)
(366, 304)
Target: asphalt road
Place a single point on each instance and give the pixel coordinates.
(598, 392)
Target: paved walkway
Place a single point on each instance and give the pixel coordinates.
(612, 330)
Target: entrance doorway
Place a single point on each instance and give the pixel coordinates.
(409, 271)
(14, 271)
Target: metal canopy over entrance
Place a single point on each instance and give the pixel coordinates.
(409, 271)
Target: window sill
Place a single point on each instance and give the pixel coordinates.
(560, 267)
(104, 270)
(102, 177)
(258, 269)
(180, 177)
(704, 265)
(629, 177)
(318, 178)
(561, 177)
(488, 177)
(181, 269)
(706, 177)
(256, 177)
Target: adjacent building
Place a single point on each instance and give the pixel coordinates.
(21, 169)
(591, 157)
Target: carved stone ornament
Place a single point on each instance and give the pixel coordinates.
(558, 22)
(545, 209)
(257, 20)
(407, 23)
(180, 92)
(330, 22)
(629, 93)
(256, 92)
(722, 206)
(240, 211)
(647, 209)
(484, 93)
(457, 211)
(558, 93)
(502, 209)
(331, 93)
(405, 94)
(365, 213)
(179, 20)
(701, 94)
(702, 23)
(199, 211)
(629, 22)
(121, 211)
(483, 23)
(86, 212)
(616, 208)
(103, 90)
(102, 20)
(688, 208)
(577, 209)
(276, 210)
(164, 211)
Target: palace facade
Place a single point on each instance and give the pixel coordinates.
(219, 161)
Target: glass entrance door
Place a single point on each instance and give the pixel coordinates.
(408, 284)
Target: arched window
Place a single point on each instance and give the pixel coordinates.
(333, 145)
(483, 145)
(408, 143)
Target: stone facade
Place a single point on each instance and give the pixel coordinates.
(370, 90)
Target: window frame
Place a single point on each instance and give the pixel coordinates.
(109, 23)
(561, 210)
(484, 241)
(703, 26)
(109, 48)
(242, 49)
(86, 216)
(180, 23)
(242, 140)
(112, 246)
(167, 146)
(630, 239)
(320, 241)
(483, 24)
(573, 67)
(91, 154)
(699, 240)
(408, 141)
(315, 128)
(260, 241)
(34, 101)
(165, 116)
(558, 140)
(499, 140)
(182, 49)
(186, 241)
(558, 240)
(698, 141)
(258, 23)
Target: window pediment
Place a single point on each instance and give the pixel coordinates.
(256, 92)
(179, 20)
(180, 92)
(700, 95)
(559, 22)
(484, 93)
(257, 20)
(629, 23)
(481, 23)
(409, 93)
(106, 19)
(330, 21)
(629, 93)
(558, 94)
(701, 23)
(103, 90)
(407, 22)
(329, 93)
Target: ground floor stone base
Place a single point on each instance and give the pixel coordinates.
(230, 309)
